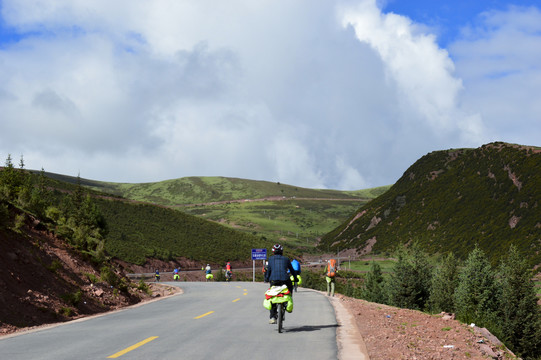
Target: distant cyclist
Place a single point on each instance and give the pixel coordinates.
(157, 275)
(277, 275)
(228, 271)
(297, 267)
(208, 273)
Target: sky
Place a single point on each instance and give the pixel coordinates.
(343, 94)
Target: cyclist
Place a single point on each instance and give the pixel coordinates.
(277, 275)
(228, 272)
(157, 276)
(297, 266)
(208, 273)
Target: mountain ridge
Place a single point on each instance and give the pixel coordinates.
(451, 200)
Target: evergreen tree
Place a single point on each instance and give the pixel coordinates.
(8, 180)
(520, 317)
(477, 296)
(409, 286)
(41, 196)
(373, 286)
(444, 284)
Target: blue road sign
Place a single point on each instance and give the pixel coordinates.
(259, 254)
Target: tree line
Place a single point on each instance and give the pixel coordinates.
(501, 298)
(73, 216)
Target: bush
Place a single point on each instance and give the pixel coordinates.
(72, 299)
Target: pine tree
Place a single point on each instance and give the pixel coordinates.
(409, 286)
(520, 316)
(444, 284)
(477, 296)
(374, 287)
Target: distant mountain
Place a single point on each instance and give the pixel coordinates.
(201, 190)
(451, 200)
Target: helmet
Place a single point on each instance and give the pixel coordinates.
(277, 248)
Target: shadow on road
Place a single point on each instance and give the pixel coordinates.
(311, 328)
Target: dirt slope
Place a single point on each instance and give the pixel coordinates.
(394, 333)
(42, 280)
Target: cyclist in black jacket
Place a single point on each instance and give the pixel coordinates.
(277, 275)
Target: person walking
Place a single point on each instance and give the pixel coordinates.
(330, 274)
(277, 275)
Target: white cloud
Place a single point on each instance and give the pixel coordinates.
(142, 91)
(422, 72)
(499, 59)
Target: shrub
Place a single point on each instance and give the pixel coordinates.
(72, 299)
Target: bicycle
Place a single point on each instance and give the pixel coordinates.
(279, 296)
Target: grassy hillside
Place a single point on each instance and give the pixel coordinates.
(295, 222)
(278, 212)
(140, 231)
(200, 190)
(450, 200)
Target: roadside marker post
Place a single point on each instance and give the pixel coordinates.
(258, 254)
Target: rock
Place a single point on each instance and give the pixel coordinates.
(448, 316)
(487, 350)
(488, 335)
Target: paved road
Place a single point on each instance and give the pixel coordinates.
(208, 321)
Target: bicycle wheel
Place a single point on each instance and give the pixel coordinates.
(280, 311)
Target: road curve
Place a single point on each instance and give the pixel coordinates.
(208, 321)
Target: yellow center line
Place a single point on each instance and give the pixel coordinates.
(133, 347)
(205, 314)
(245, 290)
(238, 286)
(245, 294)
(236, 300)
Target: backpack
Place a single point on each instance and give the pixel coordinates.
(331, 268)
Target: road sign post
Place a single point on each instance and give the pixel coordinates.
(258, 254)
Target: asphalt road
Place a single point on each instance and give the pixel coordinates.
(208, 321)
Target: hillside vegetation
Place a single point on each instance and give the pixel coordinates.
(140, 231)
(277, 212)
(201, 190)
(452, 200)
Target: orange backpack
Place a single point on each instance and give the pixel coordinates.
(331, 268)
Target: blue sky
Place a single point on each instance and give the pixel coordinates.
(343, 94)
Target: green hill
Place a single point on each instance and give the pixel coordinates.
(201, 190)
(278, 212)
(450, 200)
(140, 231)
